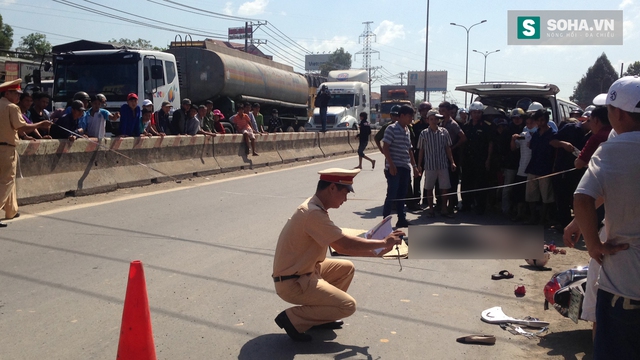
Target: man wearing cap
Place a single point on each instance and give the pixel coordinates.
(463, 116)
(435, 157)
(422, 124)
(97, 118)
(180, 117)
(11, 122)
(163, 124)
(275, 123)
(304, 276)
(207, 119)
(130, 114)
(66, 126)
(399, 165)
(511, 159)
(458, 138)
(613, 173)
(476, 159)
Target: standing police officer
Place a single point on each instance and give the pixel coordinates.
(11, 122)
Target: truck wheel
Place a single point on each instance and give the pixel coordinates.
(354, 127)
(228, 128)
(290, 129)
(301, 129)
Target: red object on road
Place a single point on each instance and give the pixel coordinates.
(520, 290)
(136, 335)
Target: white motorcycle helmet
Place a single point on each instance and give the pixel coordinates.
(535, 106)
(476, 105)
(541, 262)
(589, 108)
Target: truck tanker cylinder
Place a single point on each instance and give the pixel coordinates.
(206, 74)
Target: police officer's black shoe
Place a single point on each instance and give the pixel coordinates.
(284, 323)
(3, 225)
(330, 325)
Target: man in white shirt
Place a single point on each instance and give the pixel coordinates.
(613, 173)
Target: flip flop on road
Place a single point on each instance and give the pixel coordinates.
(504, 274)
(477, 339)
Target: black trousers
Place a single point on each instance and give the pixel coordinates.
(474, 176)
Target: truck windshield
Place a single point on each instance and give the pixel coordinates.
(341, 100)
(115, 77)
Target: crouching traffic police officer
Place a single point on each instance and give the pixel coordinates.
(302, 273)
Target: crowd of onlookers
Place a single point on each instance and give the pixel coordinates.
(86, 116)
(484, 147)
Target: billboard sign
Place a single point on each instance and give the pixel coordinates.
(240, 32)
(313, 62)
(436, 80)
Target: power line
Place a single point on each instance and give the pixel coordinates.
(291, 40)
(109, 15)
(211, 13)
(282, 57)
(279, 42)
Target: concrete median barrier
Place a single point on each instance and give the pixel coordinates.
(267, 149)
(335, 142)
(231, 153)
(52, 169)
(298, 146)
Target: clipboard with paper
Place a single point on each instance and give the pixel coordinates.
(378, 232)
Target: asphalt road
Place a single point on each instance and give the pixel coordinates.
(207, 249)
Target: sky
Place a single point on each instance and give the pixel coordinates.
(296, 27)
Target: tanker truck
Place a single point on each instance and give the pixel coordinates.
(349, 92)
(199, 71)
(229, 77)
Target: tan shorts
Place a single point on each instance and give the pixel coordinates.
(540, 188)
(441, 175)
(249, 132)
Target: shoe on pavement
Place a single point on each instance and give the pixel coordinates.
(402, 224)
(330, 325)
(3, 225)
(284, 323)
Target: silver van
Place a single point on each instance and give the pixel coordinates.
(508, 95)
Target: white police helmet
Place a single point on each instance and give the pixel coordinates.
(535, 106)
(476, 105)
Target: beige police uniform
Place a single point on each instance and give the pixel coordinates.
(320, 291)
(10, 120)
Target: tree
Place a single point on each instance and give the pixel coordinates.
(596, 81)
(136, 44)
(339, 60)
(633, 69)
(6, 35)
(35, 43)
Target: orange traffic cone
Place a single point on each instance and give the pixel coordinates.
(136, 335)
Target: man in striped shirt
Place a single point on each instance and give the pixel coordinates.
(434, 146)
(399, 163)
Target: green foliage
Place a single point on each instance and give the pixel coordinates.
(6, 36)
(339, 60)
(136, 44)
(35, 43)
(596, 81)
(633, 69)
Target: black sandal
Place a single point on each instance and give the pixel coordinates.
(504, 274)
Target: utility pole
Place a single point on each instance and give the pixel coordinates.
(366, 38)
(401, 79)
(249, 28)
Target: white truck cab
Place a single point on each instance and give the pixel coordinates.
(349, 97)
(116, 73)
